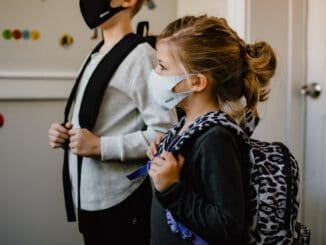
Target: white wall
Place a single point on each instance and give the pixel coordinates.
(282, 24)
(232, 10)
(165, 12)
(278, 21)
(31, 204)
(32, 95)
(210, 7)
(43, 69)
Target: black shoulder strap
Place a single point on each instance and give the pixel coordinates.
(75, 87)
(102, 75)
(91, 102)
(143, 30)
(69, 204)
(100, 79)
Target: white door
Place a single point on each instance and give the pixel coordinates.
(315, 157)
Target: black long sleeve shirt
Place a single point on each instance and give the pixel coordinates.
(210, 198)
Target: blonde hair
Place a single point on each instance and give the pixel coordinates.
(207, 45)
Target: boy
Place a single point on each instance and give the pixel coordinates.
(111, 209)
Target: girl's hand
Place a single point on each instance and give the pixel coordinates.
(152, 149)
(165, 170)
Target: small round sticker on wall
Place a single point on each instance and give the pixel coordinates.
(17, 34)
(35, 35)
(66, 41)
(6, 34)
(26, 35)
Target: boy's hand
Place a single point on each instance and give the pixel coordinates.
(84, 143)
(152, 149)
(58, 134)
(165, 170)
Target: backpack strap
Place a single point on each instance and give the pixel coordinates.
(90, 104)
(143, 30)
(288, 178)
(173, 143)
(69, 204)
(101, 77)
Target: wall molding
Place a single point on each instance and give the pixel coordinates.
(37, 75)
(35, 85)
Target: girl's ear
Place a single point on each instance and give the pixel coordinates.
(199, 83)
(128, 3)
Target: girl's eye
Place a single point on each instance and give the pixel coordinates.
(161, 67)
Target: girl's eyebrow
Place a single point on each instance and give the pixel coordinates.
(162, 61)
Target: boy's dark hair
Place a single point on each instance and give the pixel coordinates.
(137, 7)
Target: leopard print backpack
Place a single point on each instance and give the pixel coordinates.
(273, 180)
(273, 188)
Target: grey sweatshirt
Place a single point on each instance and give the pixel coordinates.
(128, 120)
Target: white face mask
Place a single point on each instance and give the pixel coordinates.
(161, 87)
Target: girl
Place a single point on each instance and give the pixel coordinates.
(199, 169)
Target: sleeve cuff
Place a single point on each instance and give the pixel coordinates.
(110, 148)
(171, 196)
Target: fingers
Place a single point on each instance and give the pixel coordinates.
(54, 145)
(156, 166)
(168, 156)
(68, 125)
(165, 170)
(181, 160)
(57, 128)
(152, 149)
(57, 135)
(167, 159)
(164, 161)
(75, 135)
(84, 142)
(157, 140)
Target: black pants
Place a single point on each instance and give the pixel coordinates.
(125, 222)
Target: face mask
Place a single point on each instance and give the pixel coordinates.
(96, 12)
(161, 87)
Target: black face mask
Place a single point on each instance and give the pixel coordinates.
(96, 12)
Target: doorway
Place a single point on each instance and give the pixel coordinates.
(314, 180)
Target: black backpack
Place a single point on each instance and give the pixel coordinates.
(143, 30)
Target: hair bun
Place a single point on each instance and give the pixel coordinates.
(261, 61)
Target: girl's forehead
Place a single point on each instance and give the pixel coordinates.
(165, 53)
(163, 50)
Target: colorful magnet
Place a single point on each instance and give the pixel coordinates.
(17, 34)
(66, 41)
(26, 35)
(6, 34)
(35, 35)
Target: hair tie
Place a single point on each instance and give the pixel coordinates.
(243, 50)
